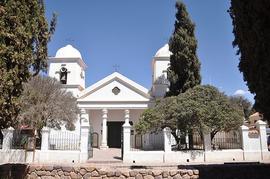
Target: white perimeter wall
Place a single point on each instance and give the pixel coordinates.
(193, 156)
(50, 156)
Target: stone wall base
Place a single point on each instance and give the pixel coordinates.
(87, 172)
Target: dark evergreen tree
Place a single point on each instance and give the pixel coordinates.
(184, 69)
(24, 34)
(251, 27)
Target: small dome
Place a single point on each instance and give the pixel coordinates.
(164, 51)
(68, 52)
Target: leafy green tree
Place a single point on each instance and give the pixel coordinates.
(184, 69)
(24, 34)
(251, 27)
(201, 109)
(46, 103)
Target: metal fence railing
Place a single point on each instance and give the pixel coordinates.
(155, 142)
(188, 141)
(138, 141)
(197, 142)
(227, 140)
(64, 140)
(194, 141)
(1, 139)
(20, 139)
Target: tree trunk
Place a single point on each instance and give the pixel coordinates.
(190, 139)
(177, 139)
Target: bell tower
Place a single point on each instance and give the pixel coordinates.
(68, 67)
(160, 65)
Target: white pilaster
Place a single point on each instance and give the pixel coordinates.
(245, 139)
(7, 138)
(104, 129)
(250, 145)
(85, 127)
(84, 115)
(167, 139)
(261, 126)
(126, 116)
(45, 132)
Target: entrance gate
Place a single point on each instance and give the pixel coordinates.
(114, 134)
(122, 144)
(90, 140)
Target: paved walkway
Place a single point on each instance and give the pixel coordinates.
(111, 155)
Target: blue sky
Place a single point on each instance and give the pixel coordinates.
(128, 33)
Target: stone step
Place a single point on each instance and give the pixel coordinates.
(101, 161)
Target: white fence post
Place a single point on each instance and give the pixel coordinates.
(167, 139)
(207, 145)
(7, 138)
(207, 142)
(126, 133)
(126, 139)
(45, 132)
(261, 126)
(245, 140)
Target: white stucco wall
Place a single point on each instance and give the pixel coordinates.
(144, 157)
(74, 90)
(184, 156)
(50, 156)
(228, 155)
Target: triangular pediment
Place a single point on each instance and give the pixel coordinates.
(115, 88)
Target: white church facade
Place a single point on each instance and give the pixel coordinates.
(109, 110)
(113, 100)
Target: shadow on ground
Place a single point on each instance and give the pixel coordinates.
(232, 171)
(13, 171)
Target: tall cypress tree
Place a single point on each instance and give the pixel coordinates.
(24, 34)
(251, 28)
(184, 69)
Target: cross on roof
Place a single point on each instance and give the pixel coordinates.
(69, 40)
(116, 67)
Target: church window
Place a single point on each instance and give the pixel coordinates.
(63, 75)
(116, 90)
(82, 76)
(94, 140)
(164, 72)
